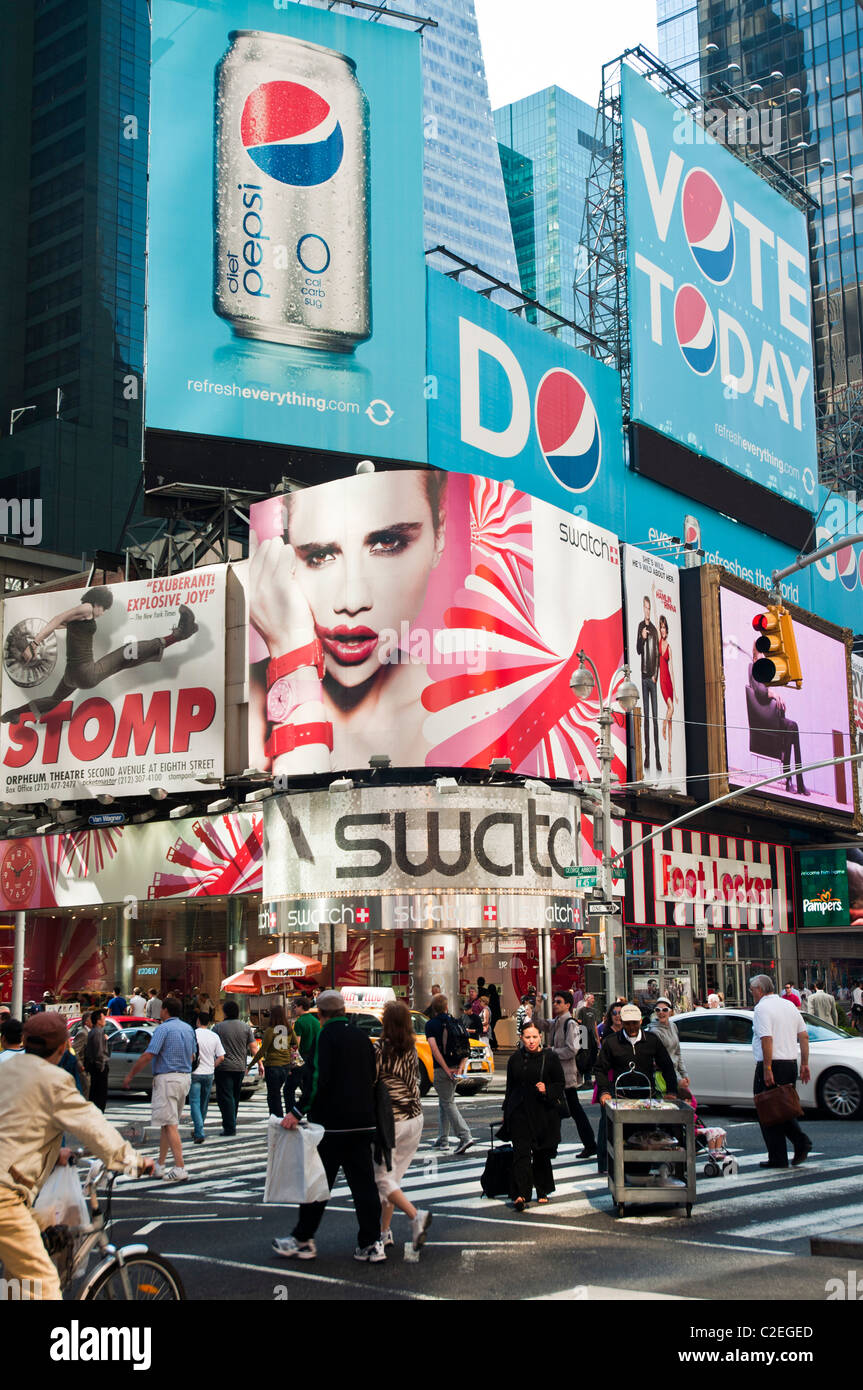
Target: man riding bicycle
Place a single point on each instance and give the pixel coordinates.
(39, 1102)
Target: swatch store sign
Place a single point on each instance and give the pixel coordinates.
(365, 842)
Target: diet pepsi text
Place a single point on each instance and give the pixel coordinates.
(292, 155)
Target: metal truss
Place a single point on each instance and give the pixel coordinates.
(840, 439)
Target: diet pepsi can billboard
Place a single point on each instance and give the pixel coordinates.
(719, 300)
(286, 269)
(513, 403)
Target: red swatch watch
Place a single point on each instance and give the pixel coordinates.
(287, 737)
(312, 654)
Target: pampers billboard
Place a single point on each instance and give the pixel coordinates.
(513, 403)
(719, 302)
(286, 272)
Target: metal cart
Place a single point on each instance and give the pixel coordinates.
(623, 1117)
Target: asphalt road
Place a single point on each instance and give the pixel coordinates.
(748, 1237)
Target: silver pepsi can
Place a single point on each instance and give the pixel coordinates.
(291, 256)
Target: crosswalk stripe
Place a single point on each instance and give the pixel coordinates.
(797, 1227)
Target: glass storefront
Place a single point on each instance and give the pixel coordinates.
(662, 960)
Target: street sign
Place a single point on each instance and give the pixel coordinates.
(619, 871)
(600, 909)
(700, 931)
(108, 818)
(585, 875)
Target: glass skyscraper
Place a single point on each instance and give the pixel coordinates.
(546, 143)
(814, 47)
(73, 147)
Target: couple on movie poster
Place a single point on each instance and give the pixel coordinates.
(436, 601)
(654, 638)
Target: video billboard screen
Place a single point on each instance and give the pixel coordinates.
(770, 729)
(719, 300)
(831, 887)
(654, 647)
(286, 270)
(857, 714)
(514, 403)
(450, 609)
(114, 689)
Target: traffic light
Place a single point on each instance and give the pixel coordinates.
(778, 663)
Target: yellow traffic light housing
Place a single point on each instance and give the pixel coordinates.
(778, 663)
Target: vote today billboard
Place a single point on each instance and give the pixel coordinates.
(719, 300)
(114, 689)
(450, 609)
(286, 280)
(514, 403)
(654, 647)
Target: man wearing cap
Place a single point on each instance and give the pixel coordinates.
(339, 1093)
(38, 1102)
(632, 1049)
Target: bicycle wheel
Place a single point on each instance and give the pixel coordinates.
(151, 1279)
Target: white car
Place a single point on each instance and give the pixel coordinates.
(716, 1046)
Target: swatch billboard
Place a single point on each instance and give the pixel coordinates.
(286, 271)
(440, 614)
(114, 689)
(719, 300)
(779, 729)
(511, 402)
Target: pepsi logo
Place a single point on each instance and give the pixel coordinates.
(567, 428)
(291, 133)
(708, 226)
(695, 329)
(846, 567)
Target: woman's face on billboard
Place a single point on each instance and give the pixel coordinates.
(363, 564)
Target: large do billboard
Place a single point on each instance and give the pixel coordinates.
(719, 300)
(514, 403)
(286, 273)
(779, 729)
(654, 646)
(114, 690)
(443, 612)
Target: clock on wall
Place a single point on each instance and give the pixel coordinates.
(18, 874)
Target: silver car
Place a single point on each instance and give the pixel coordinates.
(716, 1046)
(125, 1046)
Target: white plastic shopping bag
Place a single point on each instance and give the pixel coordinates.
(61, 1200)
(295, 1172)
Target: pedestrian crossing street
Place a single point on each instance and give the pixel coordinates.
(768, 1211)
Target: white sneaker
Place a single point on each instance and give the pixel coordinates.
(388, 1238)
(289, 1248)
(176, 1175)
(419, 1228)
(371, 1254)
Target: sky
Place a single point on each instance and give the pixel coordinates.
(531, 44)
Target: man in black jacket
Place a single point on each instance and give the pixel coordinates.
(339, 1093)
(647, 647)
(630, 1049)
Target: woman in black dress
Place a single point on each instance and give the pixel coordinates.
(82, 671)
(531, 1118)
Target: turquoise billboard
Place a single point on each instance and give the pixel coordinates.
(719, 300)
(511, 402)
(286, 271)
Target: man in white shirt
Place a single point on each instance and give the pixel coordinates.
(778, 1029)
(210, 1054)
(154, 1006)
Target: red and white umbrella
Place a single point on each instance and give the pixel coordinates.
(261, 976)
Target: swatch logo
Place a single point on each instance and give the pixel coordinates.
(708, 225)
(567, 428)
(291, 133)
(695, 329)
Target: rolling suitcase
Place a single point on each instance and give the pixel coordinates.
(497, 1173)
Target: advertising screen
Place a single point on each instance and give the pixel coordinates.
(857, 713)
(450, 609)
(114, 690)
(719, 300)
(779, 728)
(286, 271)
(831, 887)
(654, 649)
(514, 403)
